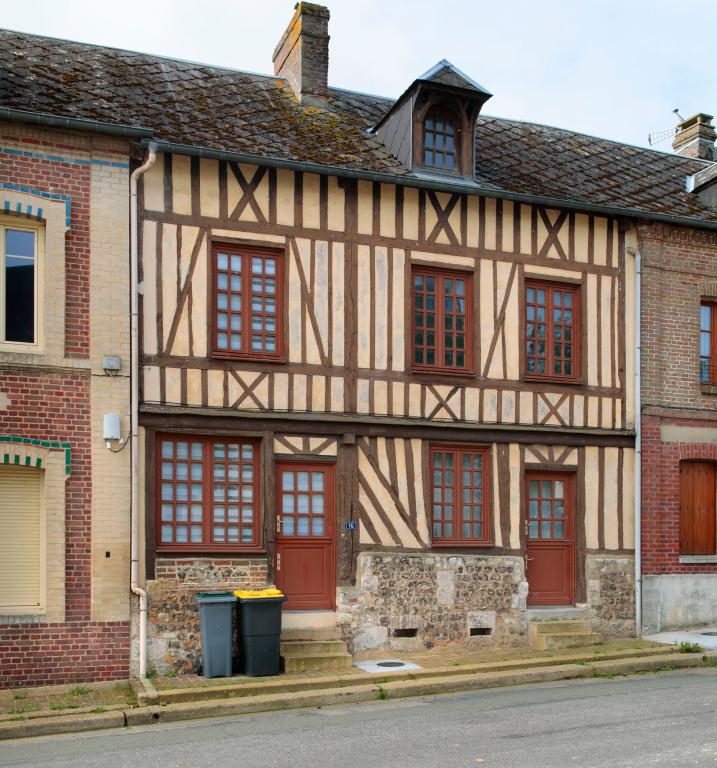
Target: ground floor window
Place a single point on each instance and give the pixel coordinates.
(20, 539)
(459, 495)
(207, 492)
(698, 534)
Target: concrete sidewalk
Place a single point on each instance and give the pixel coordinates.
(441, 671)
(705, 637)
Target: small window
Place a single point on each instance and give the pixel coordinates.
(552, 341)
(698, 519)
(18, 285)
(21, 537)
(207, 493)
(708, 343)
(459, 495)
(247, 303)
(440, 141)
(442, 314)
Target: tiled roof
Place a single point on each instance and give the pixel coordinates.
(227, 110)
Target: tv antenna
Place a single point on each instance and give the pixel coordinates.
(666, 133)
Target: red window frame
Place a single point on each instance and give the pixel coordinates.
(442, 314)
(246, 314)
(456, 535)
(708, 343)
(440, 138)
(209, 522)
(551, 354)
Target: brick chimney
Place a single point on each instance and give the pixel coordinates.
(695, 137)
(302, 55)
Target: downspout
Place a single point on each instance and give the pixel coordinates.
(134, 404)
(638, 447)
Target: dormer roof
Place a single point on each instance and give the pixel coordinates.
(442, 74)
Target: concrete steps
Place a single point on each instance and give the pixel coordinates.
(314, 650)
(561, 633)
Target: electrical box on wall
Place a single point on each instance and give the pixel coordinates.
(112, 427)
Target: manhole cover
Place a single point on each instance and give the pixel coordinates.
(711, 634)
(390, 664)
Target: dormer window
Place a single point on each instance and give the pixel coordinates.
(440, 145)
(432, 125)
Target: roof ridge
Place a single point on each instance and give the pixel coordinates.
(597, 138)
(143, 53)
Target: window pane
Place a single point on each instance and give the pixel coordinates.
(19, 299)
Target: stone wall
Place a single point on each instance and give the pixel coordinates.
(611, 594)
(441, 597)
(174, 639)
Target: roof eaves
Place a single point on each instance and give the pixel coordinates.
(76, 123)
(412, 180)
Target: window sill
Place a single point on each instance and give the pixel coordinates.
(26, 617)
(244, 356)
(698, 559)
(556, 380)
(708, 389)
(209, 551)
(457, 372)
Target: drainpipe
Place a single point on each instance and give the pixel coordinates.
(638, 447)
(134, 404)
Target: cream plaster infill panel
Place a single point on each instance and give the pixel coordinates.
(50, 346)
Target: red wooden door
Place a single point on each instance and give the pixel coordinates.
(305, 522)
(549, 538)
(697, 508)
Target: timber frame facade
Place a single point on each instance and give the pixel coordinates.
(345, 392)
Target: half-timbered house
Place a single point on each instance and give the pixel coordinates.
(387, 348)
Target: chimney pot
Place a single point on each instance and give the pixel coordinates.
(302, 55)
(695, 137)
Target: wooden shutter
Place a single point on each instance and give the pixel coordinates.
(697, 508)
(20, 538)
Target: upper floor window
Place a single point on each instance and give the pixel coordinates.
(18, 284)
(440, 141)
(247, 306)
(207, 493)
(442, 315)
(708, 343)
(459, 495)
(552, 331)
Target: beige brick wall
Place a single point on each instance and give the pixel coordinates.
(109, 335)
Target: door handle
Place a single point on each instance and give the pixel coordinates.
(529, 558)
(278, 562)
(278, 524)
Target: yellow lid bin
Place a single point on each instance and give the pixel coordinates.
(248, 594)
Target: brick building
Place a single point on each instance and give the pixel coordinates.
(318, 451)
(679, 404)
(64, 494)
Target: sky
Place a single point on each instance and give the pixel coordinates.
(610, 68)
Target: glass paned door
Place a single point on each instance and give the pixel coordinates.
(546, 509)
(302, 508)
(549, 545)
(305, 565)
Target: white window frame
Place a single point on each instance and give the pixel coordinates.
(12, 223)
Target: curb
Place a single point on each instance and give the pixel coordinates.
(352, 694)
(276, 686)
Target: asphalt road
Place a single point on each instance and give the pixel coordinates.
(668, 719)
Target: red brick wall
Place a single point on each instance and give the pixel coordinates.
(43, 654)
(661, 495)
(679, 268)
(55, 406)
(62, 179)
